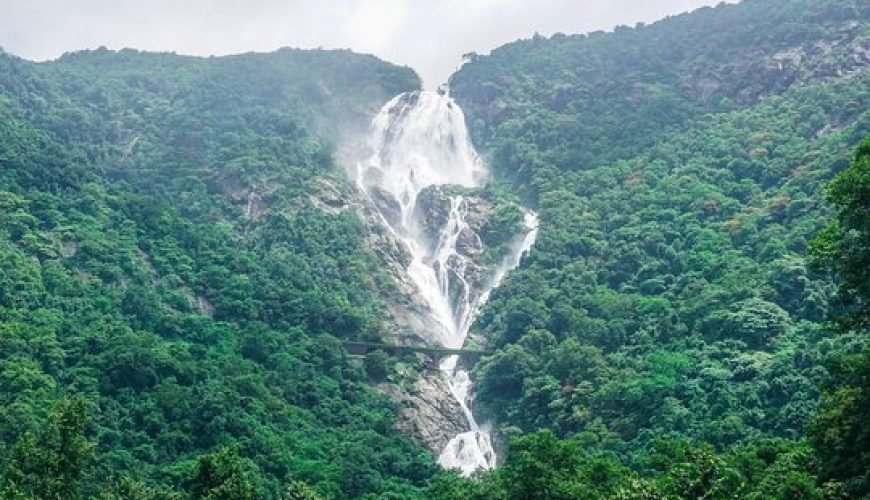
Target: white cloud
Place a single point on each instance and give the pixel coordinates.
(429, 36)
(374, 24)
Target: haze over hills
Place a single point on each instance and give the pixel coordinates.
(431, 38)
(186, 243)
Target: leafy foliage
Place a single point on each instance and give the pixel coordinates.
(678, 172)
(52, 463)
(839, 429)
(175, 277)
(667, 292)
(541, 466)
(162, 255)
(843, 246)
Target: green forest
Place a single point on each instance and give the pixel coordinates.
(692, 322)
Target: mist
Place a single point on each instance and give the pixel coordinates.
(430, 37)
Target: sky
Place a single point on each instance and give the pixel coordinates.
(427, 35)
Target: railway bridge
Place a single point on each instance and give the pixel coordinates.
(361, 349)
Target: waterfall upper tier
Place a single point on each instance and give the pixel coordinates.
(419, 140)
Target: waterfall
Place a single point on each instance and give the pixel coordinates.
(420, 140)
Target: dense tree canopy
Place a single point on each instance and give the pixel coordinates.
(679, 172)
(161, 255)
(175, 281)
(839, 429)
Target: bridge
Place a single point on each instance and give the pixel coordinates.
(362, 348)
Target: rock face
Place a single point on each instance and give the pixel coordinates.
(433, 211)
(330, 198)
(256, 198)
(845, 51)
(430, 413)
(407, 317)
(386, 205)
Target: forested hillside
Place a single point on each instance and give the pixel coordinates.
(679, 172)
(168, 287)
(178, 268)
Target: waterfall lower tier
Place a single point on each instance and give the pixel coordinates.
(420, 182)
(470, 450)
(473, 450)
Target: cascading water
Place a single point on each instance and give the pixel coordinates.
(420, 140)
(473, 449)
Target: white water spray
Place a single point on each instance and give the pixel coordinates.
(420, 140)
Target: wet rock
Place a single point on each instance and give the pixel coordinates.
(256, 198)
(459, 289)
(432, 212)
(479, 213)
(408, 317)
(388, 206)
(429, 413)
(469, 243)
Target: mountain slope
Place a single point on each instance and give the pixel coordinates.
(593, 99)
(678, 169)
(180, 259)
(165, 253)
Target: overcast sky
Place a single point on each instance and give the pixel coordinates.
(428, 35)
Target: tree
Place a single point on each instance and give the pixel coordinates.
(223, 475)
(541, 467)
(844, 246)
(54, 463)
(756, 322)
(128, 489)
(297, 490)
(840, 432)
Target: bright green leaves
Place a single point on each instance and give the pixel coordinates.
(844, 246)
(223, 475)
(839, 430)
(162, 252)
(53, 462)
